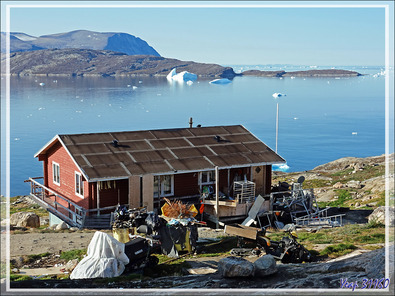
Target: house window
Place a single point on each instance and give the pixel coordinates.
(163, 185)
(207, 178)
(56, 173)
(79, 185)
(206, 181)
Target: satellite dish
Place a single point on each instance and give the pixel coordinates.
(301, 179)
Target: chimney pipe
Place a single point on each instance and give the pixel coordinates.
(190, 122)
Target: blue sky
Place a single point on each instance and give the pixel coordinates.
(228, 36)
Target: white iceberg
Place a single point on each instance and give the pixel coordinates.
(171, 74)
(277, 95)
(280, 167)
(184, 76)
(221, 81)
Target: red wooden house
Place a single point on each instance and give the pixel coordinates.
(87, 175)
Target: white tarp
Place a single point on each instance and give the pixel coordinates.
(105, 258)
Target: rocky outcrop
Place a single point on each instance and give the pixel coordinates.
(353, 163)
(25, 219)
(235, 267)
(308, 73)
(265, 265)
(87, 62)
(379, 216)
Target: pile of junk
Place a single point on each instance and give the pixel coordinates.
(144, 233)
(137, 235)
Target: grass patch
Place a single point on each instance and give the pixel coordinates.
(338, 250)
(367, 173)
(25, 207)
(171, 268)
(371, 239)
(31, 258)
(361, 235)
(343, 172)
(343, 196)
(18, 277)
(120, 279)
(73, 254)
(317, 238)
(316, 183)
(374, 224)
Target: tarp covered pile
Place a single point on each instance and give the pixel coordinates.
(105, 258)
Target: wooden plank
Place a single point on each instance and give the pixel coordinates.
(134, 192)
(221, 203)
(241, 230)
(148, 192)
(254, 211)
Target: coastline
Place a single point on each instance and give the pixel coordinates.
(104, 63)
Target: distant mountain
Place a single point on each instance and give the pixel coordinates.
(89, 62)
(81, 39)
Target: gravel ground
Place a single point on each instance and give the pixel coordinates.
(37, 243)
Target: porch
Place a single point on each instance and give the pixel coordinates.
(68, 211)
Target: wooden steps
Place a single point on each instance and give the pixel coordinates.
(98, 222)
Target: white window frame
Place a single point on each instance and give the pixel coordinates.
(79, 192)
(55, 173)
(161, 193)
(207, 181)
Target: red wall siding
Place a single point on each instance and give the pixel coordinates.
(109, 197)
(186, 184)
(59, 155)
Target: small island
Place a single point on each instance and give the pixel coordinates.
(89, 62)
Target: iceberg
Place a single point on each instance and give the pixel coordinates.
(277, 95)
(220, 81)
(280, 167)
(181, 77)
(171, 74)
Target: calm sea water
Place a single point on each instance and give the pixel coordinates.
(321, 119)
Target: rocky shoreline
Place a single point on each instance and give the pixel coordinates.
(361, 180)
(89, 62)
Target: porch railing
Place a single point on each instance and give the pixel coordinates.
(72, 213)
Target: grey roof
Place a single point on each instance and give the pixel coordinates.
(165, 151)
